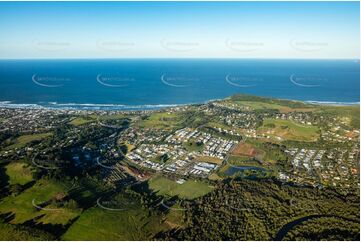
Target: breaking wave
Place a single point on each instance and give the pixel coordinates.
(87, 106)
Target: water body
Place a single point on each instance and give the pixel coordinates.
(152, 83)
(289, 226)
(234, 169)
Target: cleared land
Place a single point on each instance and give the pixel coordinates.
(80, 121)
(189, 190)
(244, 149)
(23, 140)
(209, 159)
(288, 130)
(255, 153)
(161, 120)
(43, 191)
(254, 105)
(19, 173)
(101, 224)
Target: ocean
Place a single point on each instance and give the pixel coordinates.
(133, 84)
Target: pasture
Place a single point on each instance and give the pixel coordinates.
(189, 190)
(100, 224)
(23, 140)
(23, 206)
(19, 173)
(288, 130)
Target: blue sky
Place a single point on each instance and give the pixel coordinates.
(179, 30)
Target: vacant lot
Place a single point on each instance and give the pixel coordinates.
(161, 120)
(189, 190)
(286, 129)
(245, 149)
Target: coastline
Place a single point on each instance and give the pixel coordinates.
(142, 107)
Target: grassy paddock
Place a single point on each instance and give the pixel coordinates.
(23, 140)
(44, 190)
(288, 130)
(19, 173)
(189, 190)
(100, 224)
(162, 120)
(81, 121)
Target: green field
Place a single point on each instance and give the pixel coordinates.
(189, 190)
(23, 140)
(100, 224)
(161, 120)
(288, 130)
(44, 190)
(257, 105)
(192, 145)
(19, 173)
(262, 105)
(80, 121)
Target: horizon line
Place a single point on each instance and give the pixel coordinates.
(176, 58)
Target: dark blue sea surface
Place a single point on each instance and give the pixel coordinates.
(152, 83)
